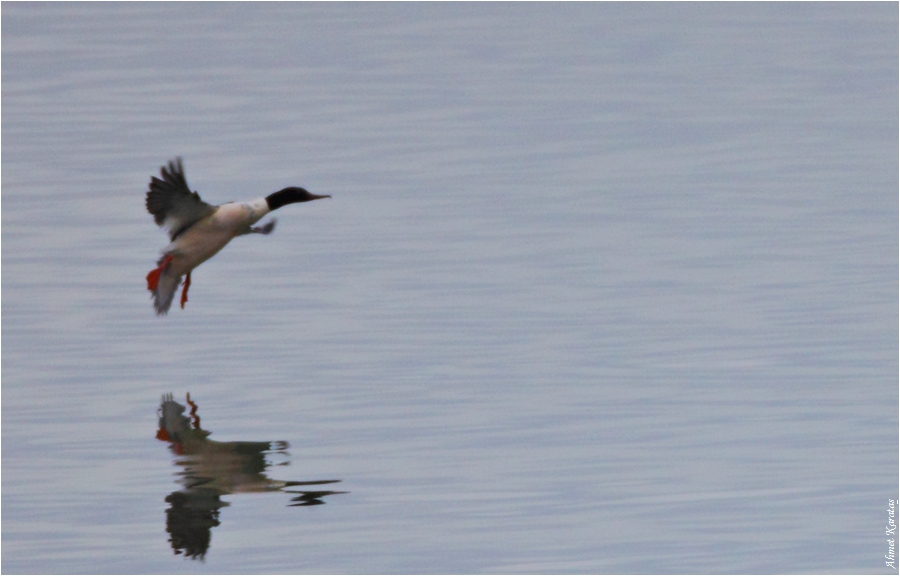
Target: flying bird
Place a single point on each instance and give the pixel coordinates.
(198, 230)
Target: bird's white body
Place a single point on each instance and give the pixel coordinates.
(204, 239)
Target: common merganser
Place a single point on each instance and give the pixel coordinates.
(199, 230)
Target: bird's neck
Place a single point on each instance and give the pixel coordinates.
(278, 199)
(260, 207)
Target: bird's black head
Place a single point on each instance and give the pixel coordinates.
(290, 195)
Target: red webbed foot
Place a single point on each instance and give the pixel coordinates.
(187, 284)
(153, 276)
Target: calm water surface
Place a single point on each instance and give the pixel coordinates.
(601, 288)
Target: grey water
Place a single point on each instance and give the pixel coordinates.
(601, 288)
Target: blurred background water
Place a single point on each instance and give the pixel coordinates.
(601, 288)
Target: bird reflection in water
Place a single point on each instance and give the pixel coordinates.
(211, 469)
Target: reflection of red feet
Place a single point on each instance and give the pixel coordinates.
(194, 417)
(187, 284)
(153, 276)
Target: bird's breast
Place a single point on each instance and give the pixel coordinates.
(206, 237)
(239, 216)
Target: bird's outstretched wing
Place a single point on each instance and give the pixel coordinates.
(265, 229)
(172, 203)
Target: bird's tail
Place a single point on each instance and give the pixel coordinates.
(162, 282)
